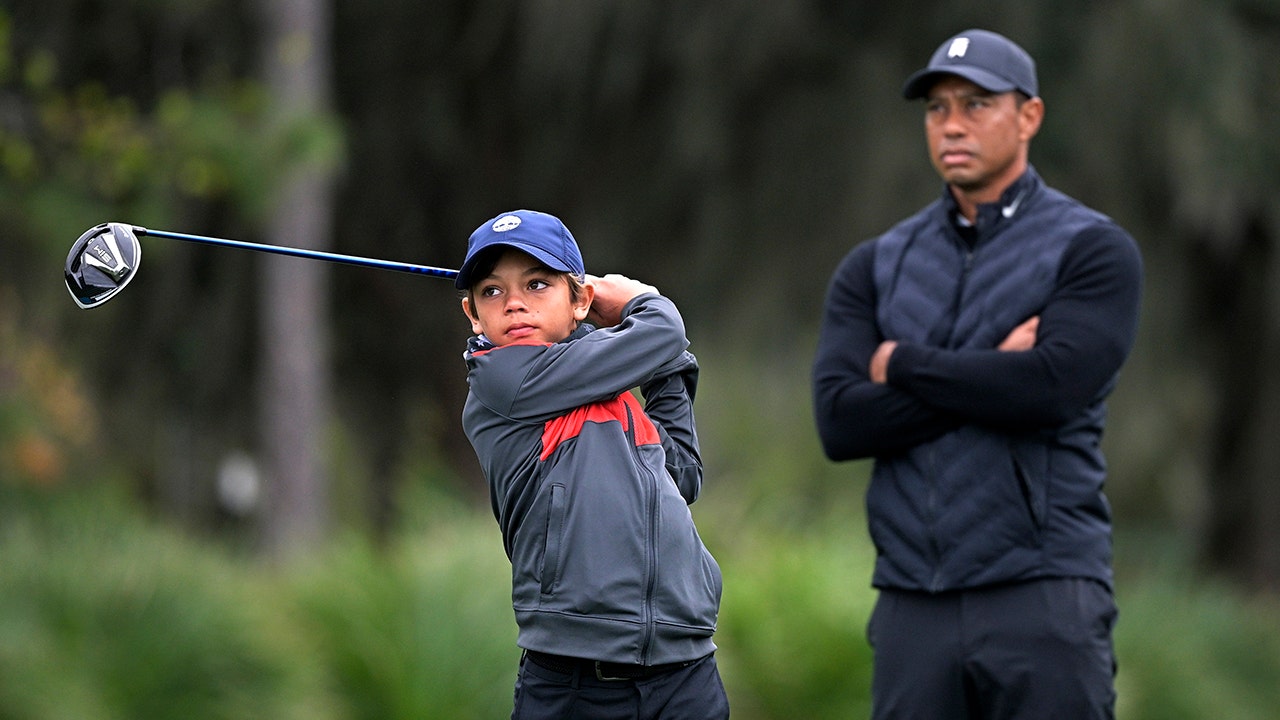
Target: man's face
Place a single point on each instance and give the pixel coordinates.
(523, 301)
(978, 140)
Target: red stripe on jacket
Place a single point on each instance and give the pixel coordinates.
(569, 425)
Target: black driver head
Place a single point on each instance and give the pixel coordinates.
(101, 263)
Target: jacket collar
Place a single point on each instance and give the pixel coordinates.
(482, 344)
(1013, 201)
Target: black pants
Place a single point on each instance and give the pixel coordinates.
(691, 693)
(1040, 649)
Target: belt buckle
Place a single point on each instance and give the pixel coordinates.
(604, 678)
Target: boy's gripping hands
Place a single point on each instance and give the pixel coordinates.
(612, 293)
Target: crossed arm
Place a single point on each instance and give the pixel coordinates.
(875, 395)
(1021, 338)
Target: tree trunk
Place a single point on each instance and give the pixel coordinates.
(295, 371)
(1239, 322)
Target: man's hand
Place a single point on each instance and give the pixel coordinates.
(1022, 337)
(613, 292)
(879, 367)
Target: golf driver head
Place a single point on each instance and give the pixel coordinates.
(101, 263)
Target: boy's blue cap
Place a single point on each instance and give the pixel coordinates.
(989, 60)
(539, 234)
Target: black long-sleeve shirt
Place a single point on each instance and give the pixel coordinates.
(1084, 335)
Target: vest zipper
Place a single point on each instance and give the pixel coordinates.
(937, 581)
(931, 507)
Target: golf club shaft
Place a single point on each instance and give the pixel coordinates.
(304, 253)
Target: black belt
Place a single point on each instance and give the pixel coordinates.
(601, 670)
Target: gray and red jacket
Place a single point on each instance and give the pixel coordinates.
(591, 489)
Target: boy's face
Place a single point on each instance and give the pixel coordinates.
(523, 300)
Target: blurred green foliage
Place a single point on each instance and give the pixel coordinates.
(1190, 647)
(106, 615)
(791, 625)
(420, 630)
(46, 418)
(72, 149)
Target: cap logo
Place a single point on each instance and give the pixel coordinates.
(958, 48)
(506, 223)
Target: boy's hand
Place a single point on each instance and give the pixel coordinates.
(613, 292)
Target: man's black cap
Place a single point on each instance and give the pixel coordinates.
(989, 60)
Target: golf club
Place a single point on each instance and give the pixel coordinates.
(106, 257)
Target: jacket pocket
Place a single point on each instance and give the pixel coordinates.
(1031, 467)
(556, 509)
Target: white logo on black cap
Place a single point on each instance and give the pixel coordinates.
(958, 48)
(505, 223)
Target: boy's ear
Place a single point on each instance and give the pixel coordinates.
(475, 322)
(582, 306)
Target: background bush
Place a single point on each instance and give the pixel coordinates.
(105, 616)
(791, 632)
(422, 629)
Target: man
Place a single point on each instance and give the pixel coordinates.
(969, 350)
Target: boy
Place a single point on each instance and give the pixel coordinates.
(615, 596)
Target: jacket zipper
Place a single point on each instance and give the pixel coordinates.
(651, 560)
(957, 303)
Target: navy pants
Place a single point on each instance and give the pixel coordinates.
(1036, 650)
(691, 693)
